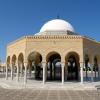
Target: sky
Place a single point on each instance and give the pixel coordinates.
(25, 17)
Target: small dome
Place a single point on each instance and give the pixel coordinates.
(57, 25)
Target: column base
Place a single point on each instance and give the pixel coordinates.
(6, 78)
(25, 82)
(17, 79)
(11, 78)
(43, 83)
(62, 83)
(81, 82)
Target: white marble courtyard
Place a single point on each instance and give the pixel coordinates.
(36, 90)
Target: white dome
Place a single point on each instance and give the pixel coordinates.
(57, 25)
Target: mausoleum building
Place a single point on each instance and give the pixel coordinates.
(55, 53)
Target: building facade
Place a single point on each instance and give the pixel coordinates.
(56, 53)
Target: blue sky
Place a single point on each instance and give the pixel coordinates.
(25, 17)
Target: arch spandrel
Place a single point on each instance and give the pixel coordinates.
(89, 53)
(91, 58)
(55, 49)
(76, 55)
(66, 54)
(31, 51)
(27, 55)
(72, 64)
(35, 57)
(98, 57)
(51, 53)
(8, 60)
(16, 54)
(20, 58)
(14, 59)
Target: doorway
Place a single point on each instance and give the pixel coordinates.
(53, 67)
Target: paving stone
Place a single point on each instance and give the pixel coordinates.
(31, 94)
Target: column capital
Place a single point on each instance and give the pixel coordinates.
(43, 64)
(25, 61)
(63, 64)
(25, 64)
(81, 62)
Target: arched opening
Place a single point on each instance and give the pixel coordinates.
(35, 66)
(14, 63)
(72, 66)
(53, 66)
(87, 67)
(21, 63)
(8, 63)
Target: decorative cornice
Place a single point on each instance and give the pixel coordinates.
(47, 37)
(54, 37)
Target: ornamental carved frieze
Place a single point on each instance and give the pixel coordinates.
(55, 37)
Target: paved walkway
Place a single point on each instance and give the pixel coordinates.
(32, 84)
(33, 94)
(35, 90)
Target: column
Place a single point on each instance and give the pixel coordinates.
(91, 72)
(21, 69)
(44, 72)
(62, 66)
(99, 71)
(30, 72)
(17, 76)
(11, 71)
(25, 73)
(91, 65)
(33, 65)
(6, 71)
(66, 72)
(81, 72)
(2, 70)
